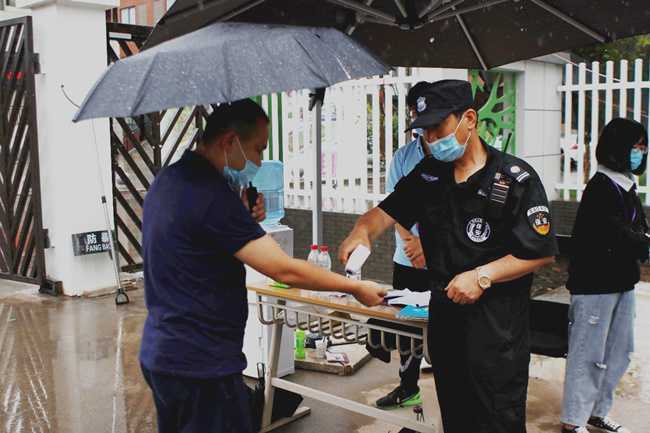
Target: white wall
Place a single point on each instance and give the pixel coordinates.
(71, 40)
(538, 119)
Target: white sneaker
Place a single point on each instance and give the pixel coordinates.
(607, 425)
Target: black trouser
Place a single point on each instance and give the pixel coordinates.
(186, 405)
(480, 355)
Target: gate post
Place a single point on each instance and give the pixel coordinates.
(75, 159)
(539, 118)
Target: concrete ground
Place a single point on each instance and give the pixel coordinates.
(70, 366)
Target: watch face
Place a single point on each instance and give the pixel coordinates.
(484, 282)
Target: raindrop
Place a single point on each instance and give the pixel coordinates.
(432, 40)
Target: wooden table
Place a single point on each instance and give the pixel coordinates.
(295, 308)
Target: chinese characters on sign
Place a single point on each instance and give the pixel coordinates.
(91, 242)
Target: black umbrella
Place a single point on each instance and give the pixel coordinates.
(443, 33)
(226, 62)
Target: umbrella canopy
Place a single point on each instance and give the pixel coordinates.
(443, 33)
(226, 62)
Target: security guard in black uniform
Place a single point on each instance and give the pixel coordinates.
(485, 228)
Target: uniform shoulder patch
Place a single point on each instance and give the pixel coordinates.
(539, 219)
(517, 172)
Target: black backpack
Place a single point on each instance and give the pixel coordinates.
(285, 403)
(549, 328)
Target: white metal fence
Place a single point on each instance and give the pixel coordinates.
(363, 124)
(593, 95)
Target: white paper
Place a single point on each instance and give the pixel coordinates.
(336, 357)
(397, 293)
(416, 299)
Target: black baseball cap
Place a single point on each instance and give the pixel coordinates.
(440, 99)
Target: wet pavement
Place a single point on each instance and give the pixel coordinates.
(70, 366)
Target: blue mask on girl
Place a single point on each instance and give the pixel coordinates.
(448, 149)
(240, 178)
(636, 158)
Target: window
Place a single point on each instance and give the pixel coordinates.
(142, 14)
(127, 15)
(158, 10)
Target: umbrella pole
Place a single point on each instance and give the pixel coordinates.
(316, 104)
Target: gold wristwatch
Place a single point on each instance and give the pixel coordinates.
(484, 280)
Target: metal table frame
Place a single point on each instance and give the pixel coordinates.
(349, 329)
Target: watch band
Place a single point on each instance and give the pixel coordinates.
(484, 280)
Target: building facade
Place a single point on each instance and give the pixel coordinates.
(140, 12)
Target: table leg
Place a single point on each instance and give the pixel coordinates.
(272, 370)
(425, 344)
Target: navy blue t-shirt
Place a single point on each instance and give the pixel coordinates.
(195, 290)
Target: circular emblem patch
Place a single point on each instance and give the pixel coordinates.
(478, 230)
(421, 104)
(539, 219)
(515, 169)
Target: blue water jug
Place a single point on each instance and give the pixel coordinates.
(270, 182)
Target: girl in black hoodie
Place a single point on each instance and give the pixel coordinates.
(609, 240)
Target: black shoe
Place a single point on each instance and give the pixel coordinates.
(399, 398)
(607, 425)
(575, 430)
(379, 353)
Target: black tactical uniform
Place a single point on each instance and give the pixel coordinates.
(480, 352)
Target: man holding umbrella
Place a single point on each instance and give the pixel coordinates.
(485, 227)
(197, 235)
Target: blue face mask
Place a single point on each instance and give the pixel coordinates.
(448, 149)
(636, 158)
(240, 178)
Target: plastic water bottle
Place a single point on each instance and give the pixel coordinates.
(325, 262)
(313, 255)
(300, 344)
(270, 182)
(324, 259)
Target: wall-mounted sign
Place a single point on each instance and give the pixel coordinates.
(91, 242)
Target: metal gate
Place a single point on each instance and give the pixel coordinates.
(141, 146)
(21, 226)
